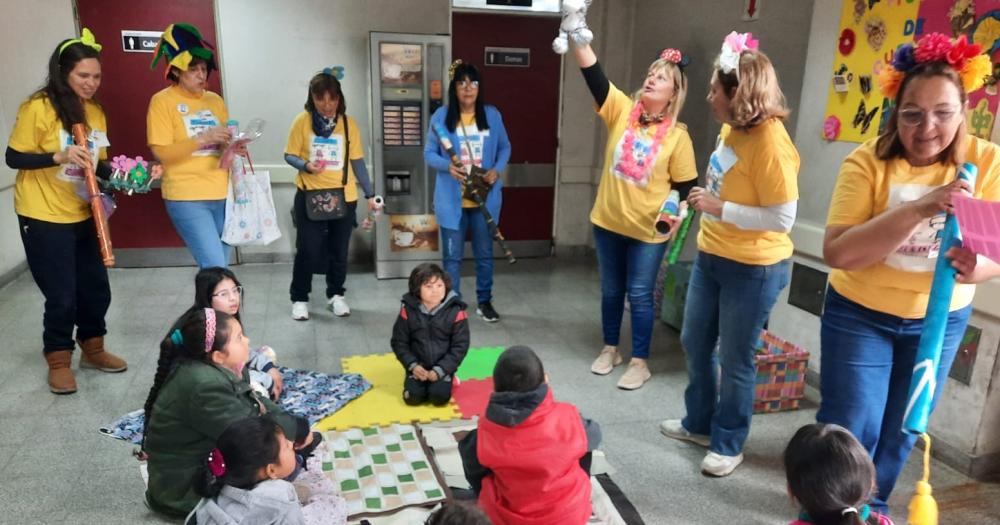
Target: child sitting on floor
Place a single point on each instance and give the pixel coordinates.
(200, 388)
(242, 480)
(831, 476)
(529, 459)
(219, 288)
(431, 336)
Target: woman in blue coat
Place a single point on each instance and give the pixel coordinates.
(480, 140)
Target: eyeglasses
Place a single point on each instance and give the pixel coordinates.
(912, 117)
(466, 84)
(232, 292)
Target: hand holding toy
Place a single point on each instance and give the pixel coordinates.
(574, 25)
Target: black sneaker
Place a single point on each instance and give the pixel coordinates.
(486, 311)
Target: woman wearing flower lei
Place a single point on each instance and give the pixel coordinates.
(648, 153)
(882, 242)
(744, 252)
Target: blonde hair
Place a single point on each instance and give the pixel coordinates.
(680, 86)
(889, 145)
(754, 94)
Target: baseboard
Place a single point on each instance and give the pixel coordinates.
(15, 272)
(573, 250)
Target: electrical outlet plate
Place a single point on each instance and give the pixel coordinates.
(961, 369)
(807, 289)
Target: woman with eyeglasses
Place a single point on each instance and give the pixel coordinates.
(476, 131)
(218, 288)
(882, 240)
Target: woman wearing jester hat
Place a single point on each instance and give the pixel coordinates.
(476, 130)
(185, 128)
(883, 220)
(60, 241)
(748, 207)
(648, 154)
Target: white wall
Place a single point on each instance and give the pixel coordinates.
(29, 32)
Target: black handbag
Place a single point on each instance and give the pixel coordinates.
(330, 203)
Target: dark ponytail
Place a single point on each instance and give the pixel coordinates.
(185, 340)
(64, 100)
(246, 446)
(830, 475)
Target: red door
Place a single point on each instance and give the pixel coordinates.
(140, 221)
(528, 100)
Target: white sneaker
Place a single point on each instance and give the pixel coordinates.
(717, 465)
(674, 429)
(338, 305)
(300, 311)
(606, 361)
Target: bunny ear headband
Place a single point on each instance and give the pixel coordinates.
(732, 47)
(967, 59)
(675, 56)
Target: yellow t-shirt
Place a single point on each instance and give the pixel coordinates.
(176, 116)
(626, 205)
(50, 194)
(475, 142)
(900, 284)
(758, 167)
(305, 144)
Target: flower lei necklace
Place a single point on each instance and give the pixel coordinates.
(627, 164)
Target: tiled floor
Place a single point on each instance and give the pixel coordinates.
(59, 469)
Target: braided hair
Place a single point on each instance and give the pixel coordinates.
(246, 446)
(185, 340)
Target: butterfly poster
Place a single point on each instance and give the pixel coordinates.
(870, 31)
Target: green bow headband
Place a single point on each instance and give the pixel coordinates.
(86, 38)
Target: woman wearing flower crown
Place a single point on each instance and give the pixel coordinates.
(647, 155)
(744, 252)
(883, 225)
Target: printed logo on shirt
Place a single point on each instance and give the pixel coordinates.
(920, 251)
(71, 172)
(198, 123)
(472, 138)
(182, 108)
(640, 151)
(721, 161)
(327, 152)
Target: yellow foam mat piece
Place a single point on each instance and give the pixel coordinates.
(383, 404)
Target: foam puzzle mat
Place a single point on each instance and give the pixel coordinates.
(472, 396)
(382, 405)
(379, 470)
(479, 363)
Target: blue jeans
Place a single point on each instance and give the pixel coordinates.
(727, 304)
(628, 266)
(866, 362)
(482, 249)
(199, 223)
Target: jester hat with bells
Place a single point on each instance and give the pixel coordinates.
(180, 44)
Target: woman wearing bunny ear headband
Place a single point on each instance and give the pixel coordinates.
(476, 130)
(648, 154)
(883, 237)
(324, 145)
(744, 252)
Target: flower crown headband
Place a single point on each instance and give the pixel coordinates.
(674, 56)
(451, 69)
(967, 59)
(732, 47)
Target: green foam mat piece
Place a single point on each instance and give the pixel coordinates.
(479, 363)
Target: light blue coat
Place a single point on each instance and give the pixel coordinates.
(448, 191)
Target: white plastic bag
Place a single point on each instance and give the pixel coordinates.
(250, 214)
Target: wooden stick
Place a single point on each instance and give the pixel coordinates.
(96, 201)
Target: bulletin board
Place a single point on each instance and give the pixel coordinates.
(871, 30)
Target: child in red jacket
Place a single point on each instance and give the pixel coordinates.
(528, 461)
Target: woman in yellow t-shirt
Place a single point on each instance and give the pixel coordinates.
(647, 155)
(185, 128)
(59, 237)
(882, 241)
(324, 144)
(744, 252)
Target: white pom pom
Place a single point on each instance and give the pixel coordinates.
(560, 45)
(583, 36)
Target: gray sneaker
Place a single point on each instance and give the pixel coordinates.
(674, 429)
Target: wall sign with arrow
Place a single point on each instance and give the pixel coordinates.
(751, 10)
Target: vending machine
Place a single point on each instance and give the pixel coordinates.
(409, 78)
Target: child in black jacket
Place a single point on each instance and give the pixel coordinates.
(431, 336)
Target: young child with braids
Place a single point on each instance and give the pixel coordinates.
(242, 480)
(831, 476)
(200, 388)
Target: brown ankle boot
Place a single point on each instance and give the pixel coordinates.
(61, 380)
(95, 356)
